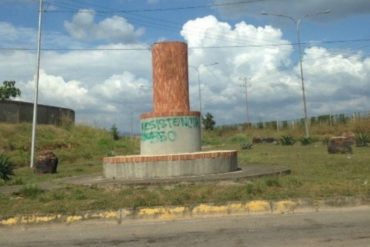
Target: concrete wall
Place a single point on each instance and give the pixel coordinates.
(18, 112)
(169, 135)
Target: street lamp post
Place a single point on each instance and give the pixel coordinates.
(245, 85)
(199, 83)
(297, 22)
(36, 95)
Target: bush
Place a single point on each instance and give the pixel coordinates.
(306, 141)
(6, 168)
(208, 122)
(114, 132)
(287, 140)
(362, 139)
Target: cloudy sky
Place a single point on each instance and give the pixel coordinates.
(96, 56)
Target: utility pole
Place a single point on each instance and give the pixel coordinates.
(36, 95)
(297, 22)
(245, 85)
(199, 84)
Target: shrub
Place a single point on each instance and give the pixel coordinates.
(114, 132)
(6, 168)
(246, 146)
(208, 122)
(306, 141)
(362, 139)
(287, 140)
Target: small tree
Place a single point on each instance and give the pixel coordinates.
(8, 90)
(114, 132)
(208, 121)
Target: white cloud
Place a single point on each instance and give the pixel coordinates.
(104, 86)
(10, 35)
(116, 28)
(55, 90)
(116, 87)
(274, 90)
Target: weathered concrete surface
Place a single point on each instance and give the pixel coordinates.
(18, 112)
(170, 134)
(171, 165)
(100, 181)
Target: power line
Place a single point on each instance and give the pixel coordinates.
(150, 21)
(166, 9)
(191, 47)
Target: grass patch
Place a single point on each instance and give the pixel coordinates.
(315, 173)
(31, 191)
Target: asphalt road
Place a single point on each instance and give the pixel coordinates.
(339, 227)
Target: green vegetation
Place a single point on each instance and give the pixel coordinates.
(114, 132)
(306, 141)
(287, 140)
(8, 90)
(208, 122)
(362, 139)
(6, 168)
(315, 173)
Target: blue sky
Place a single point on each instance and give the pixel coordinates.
(111, 82)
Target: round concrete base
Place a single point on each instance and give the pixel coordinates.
(170, 165)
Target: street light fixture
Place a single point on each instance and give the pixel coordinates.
(297, 22)
(199, 83)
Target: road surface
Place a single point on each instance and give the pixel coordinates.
(339, 227)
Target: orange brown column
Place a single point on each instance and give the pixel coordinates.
(170, 77)
(171, 127)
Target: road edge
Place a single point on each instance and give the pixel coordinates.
(200, 210)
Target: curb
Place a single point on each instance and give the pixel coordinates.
(179, 212)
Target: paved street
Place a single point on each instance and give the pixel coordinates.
(342, 227)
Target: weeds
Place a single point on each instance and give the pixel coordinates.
(6, 168)
(362, 139)
(30, 191)
(287, 140)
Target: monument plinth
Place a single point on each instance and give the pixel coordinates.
(170, 135)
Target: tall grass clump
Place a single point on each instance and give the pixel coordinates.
(362, 139)
(287, 140)
(6, 168)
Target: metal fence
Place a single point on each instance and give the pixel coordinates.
(321, 120)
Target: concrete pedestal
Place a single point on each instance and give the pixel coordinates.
(170, 165)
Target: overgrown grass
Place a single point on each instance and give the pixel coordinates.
(79, 148)
(315, 173)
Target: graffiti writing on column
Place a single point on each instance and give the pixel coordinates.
(164, 129)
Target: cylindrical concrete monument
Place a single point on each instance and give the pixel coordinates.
(170, 135)
(171, 127)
